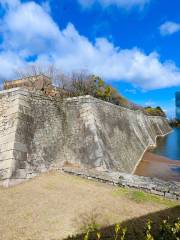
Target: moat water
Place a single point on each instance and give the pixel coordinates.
(169, 146)
(164, 161)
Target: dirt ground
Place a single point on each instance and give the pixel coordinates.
(55, 205)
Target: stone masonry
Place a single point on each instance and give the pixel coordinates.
(38, 133)
(155, 186)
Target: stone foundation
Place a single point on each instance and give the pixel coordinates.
(155, 186)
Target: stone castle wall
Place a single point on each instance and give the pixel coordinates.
(38, 133)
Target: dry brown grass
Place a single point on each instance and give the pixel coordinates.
(49, 207)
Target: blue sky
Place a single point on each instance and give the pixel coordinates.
(133, 44)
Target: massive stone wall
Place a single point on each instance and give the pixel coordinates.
(38, 133)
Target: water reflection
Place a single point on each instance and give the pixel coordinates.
(169, 146)
(176, 169)
(164, 161)
(154, 165)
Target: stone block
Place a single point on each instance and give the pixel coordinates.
(170, 195)
(157, 193)
(6, 164)
(6, 155)
(7, 138)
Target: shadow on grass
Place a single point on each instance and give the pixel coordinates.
(136, 226)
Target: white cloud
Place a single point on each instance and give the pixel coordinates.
(28, 30)
(30, 27)
(169, 28)
(9, 61)
(46, 6)
(119, 3)
(131, 91)
(9, 3)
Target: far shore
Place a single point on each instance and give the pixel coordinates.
(153, 165)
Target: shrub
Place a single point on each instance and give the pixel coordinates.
(148, 231)
(167, 231)
(170, 231)
(155, 111)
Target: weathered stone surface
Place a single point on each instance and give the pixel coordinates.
(38, 133)
(147, 184)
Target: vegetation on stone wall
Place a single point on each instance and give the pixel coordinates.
(83, 83)
(157, 111)
(75, 84)
(95, 86)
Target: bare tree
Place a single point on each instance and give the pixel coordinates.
(36, 70)
(83, 83)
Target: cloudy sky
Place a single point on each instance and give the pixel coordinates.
(133, 44)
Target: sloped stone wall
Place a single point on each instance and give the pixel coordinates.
(83, 131)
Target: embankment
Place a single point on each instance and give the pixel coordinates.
(38, 133)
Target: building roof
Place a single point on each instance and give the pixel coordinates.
(38, 80)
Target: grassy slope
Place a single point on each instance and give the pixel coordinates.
(56, 205)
